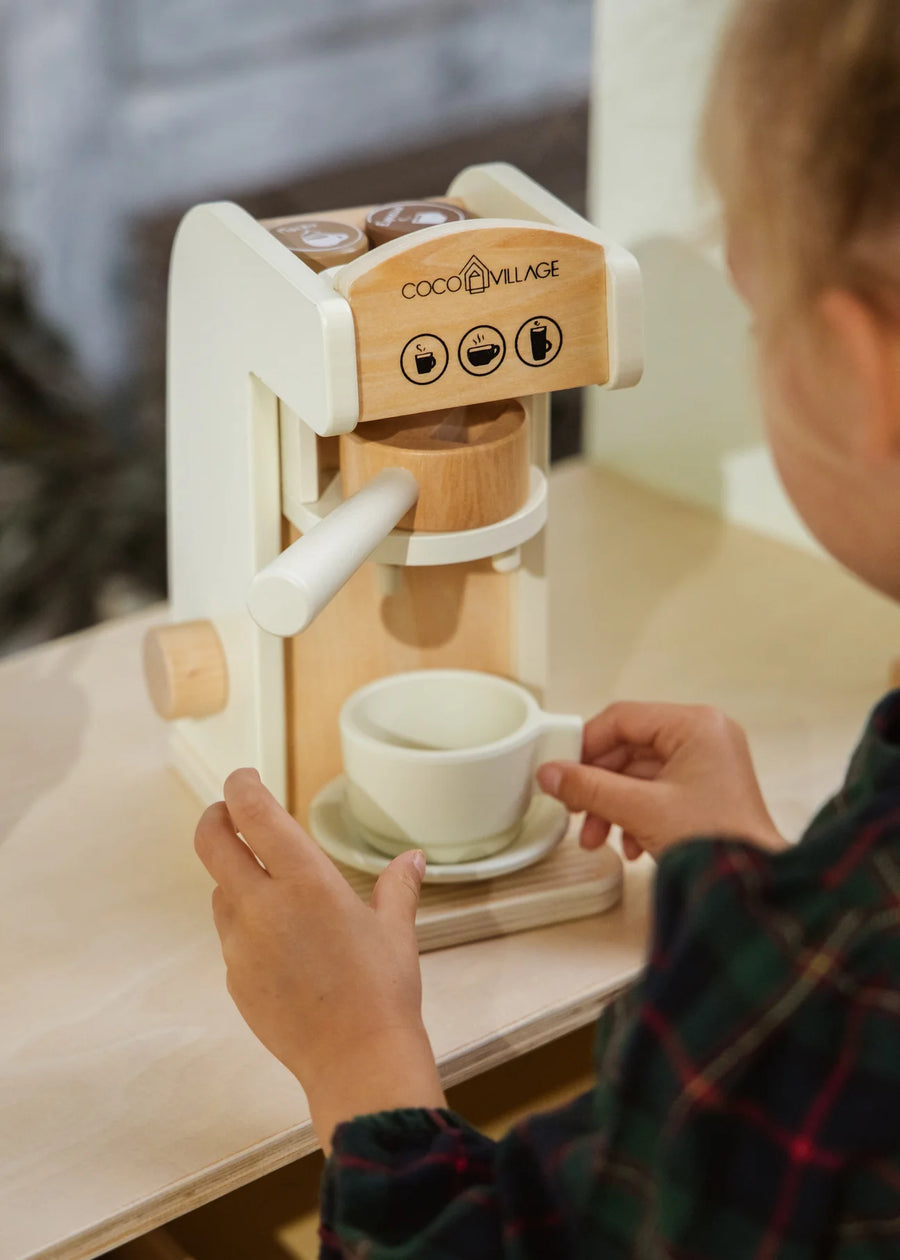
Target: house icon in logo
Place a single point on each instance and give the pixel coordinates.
(476, 276)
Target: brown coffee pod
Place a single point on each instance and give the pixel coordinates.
(466, 212)
(322, 243)
(387, 223)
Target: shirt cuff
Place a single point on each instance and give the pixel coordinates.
(402, 1136)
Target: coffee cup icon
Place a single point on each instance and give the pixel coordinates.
(425, 363)
(540, 343)
(480, 356)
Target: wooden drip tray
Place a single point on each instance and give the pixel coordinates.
(569, 884)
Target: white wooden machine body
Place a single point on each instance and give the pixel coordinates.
(263, 358)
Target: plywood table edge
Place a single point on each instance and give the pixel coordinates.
(519, 1039)
(268, 1156)
(144, 1215)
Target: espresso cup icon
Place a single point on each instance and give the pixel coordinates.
(480, 356)
(541, 345)
(425, 363)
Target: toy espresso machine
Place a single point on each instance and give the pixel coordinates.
(358, 456)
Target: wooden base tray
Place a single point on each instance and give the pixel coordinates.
(569, 884)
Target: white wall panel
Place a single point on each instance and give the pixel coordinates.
(692, 428)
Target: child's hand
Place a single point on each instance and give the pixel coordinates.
(663, 773)
(329, 985)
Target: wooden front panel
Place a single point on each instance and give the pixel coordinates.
(469, 313)
(453, 616)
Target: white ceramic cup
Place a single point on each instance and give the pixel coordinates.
(444, 760)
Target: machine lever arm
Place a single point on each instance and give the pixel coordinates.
(287, 595)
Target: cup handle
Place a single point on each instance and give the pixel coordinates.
(560, 738)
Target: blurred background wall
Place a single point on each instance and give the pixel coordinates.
(115, 109)
(115, 117)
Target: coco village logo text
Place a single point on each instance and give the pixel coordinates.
(476, 277)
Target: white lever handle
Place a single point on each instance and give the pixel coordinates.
(290, 592)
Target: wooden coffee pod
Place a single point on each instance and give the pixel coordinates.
(322, 243)
(398, 218)
(472, 463)
(185, 670)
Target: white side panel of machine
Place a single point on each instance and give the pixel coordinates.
(248, 324)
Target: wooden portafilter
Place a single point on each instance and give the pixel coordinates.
(444, 471)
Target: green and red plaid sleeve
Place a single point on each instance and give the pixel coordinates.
(748, 1087)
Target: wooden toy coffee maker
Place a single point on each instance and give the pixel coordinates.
(358, 438)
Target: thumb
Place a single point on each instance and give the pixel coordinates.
(629, 803)
(395, 896)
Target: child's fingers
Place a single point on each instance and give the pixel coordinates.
(623, 800)
(657, 727)
(395, 896)
(640, 763)
(222, 852)
(594, 832)
(621, 757)
(630, 847)
(616, 759)
(275, 837)
(643, 768)
(222, 911)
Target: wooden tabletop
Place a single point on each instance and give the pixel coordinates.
(130, 1090)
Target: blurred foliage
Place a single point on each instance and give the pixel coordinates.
(82, 512)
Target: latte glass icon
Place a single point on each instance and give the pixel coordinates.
(482, 350)
(541, 344)
(424, 359)
(539, 341)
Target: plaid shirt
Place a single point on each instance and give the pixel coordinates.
(748, 1087)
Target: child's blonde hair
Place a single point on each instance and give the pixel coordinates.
(802, 138)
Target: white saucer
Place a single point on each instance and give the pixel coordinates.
(545, 824)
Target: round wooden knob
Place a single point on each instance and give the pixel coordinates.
(472, 463)
(185, 670)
